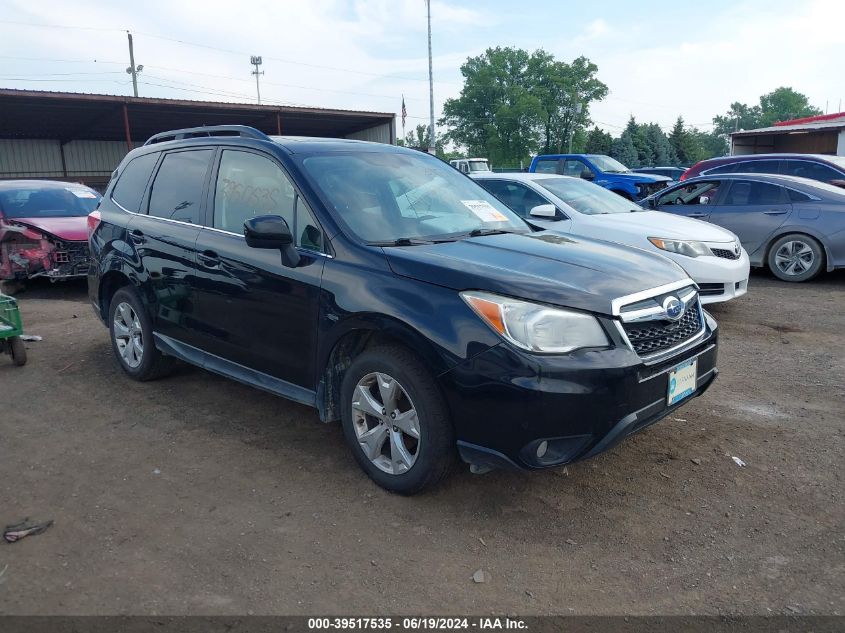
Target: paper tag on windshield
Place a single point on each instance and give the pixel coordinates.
(81, 193)
(485, 211)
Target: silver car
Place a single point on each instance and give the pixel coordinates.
(795, 226)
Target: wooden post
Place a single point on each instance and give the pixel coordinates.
(278, 124)
(126, 128)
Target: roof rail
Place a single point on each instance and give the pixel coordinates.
(208, 130)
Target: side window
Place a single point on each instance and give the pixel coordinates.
(133, 181)
(306, 231)
(518, 197)
(573, 167)
(249, 185)
(797, 196)
(546, 166)
(177, 188)
(745, 192)
(812, 170)
(696, 193)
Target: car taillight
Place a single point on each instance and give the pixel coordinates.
(93, 222)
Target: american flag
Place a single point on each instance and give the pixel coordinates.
(404, 111)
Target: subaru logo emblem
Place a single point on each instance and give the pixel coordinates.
(673, 308)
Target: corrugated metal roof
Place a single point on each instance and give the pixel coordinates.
(798, 127)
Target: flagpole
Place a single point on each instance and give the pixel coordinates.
(403, 116)
(430, 83)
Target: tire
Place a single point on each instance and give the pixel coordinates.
(133, 344)
(431, 454)
(800, 253)
(18, 351)
(11, 287)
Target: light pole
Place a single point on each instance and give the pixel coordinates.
(256, 61)
(576, 110)
(431, 149)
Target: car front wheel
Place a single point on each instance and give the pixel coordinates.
(395, 421)
(796, 257)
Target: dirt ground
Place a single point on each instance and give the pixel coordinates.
(196, 495)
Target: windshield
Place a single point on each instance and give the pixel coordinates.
(608, 164)
(48, 202)
(389, 196)
(479, 165)
(587, 198)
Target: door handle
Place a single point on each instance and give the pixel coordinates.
(775, 212)
(137, 237)
(697, 215)
(209, 259)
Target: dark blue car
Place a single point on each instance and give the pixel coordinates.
(795, 226)
(392, 293)
(601, 170)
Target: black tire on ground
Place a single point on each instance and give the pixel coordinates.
(11, 287)
(436, 453)
(18, 351)
(153, 363)
(800, 243)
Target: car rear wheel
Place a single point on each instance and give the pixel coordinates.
(796, 257)
(395, 421)
(132, 338)
(17, 351)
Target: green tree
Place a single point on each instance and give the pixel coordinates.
(513, 104)
(686, 145)
(783, 104)
(738, 117)
(598, 142)
(624, 151)
(661, 149)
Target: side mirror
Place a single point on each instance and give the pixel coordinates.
(545, 211)
(587, 174)
(271, 231)
(652, 202)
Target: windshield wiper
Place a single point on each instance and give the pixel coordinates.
(401, 241)
(480, 232)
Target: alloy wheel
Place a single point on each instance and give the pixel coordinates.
(386, 423)
(794, 258)
(128, 335)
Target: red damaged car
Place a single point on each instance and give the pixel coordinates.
(44, 229)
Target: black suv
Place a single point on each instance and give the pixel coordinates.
(394, 294)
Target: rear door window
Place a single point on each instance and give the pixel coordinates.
(178, 186)
(573, 167)
(749, 192)
(812, 170)
(546, 166)
(748, 167)
(132, 182)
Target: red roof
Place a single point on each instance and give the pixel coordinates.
(814, 119)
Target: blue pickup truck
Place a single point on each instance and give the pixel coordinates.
(602, 170)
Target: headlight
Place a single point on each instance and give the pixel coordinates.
(535, 327)
(682, 247)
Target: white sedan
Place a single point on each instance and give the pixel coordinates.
(712, 256)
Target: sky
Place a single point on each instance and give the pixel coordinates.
(658, 59)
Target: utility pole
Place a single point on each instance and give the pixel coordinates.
(431, 149)
(256, 61)
(133, 69)
(576, 110)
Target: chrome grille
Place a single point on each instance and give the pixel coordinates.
(652, 337)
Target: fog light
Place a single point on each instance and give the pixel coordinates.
(542, 447)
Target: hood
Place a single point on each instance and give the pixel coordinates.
(68, 229)
(544, 266)
(635, 177)
(667, 225)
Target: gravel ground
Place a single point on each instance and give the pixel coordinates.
(197, 495)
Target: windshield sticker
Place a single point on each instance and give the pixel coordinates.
(485, 211)
(81, 193)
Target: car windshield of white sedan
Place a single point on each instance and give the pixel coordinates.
(392, 197)
(587, 198)
(48, 202)
(608, 164)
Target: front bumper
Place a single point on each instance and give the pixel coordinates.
(505, 402)
(718, 278)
